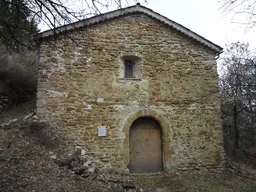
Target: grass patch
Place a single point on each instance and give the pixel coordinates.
(194, 182)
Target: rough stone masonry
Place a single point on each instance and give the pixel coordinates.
(82, 86)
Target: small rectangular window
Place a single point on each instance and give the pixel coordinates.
(128, 68)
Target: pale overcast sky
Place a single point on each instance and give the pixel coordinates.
(205, 18)
(201, 16)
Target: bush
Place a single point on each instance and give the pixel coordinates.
(18, 76)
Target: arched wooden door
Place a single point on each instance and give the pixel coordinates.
(145, 146)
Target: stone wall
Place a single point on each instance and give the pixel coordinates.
(80, 88)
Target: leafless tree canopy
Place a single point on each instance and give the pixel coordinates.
(58, 12)
(242, 11)
(19, 18)
(238, 90)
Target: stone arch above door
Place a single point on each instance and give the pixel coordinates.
(167, 152)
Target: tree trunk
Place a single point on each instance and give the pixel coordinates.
(236, 132)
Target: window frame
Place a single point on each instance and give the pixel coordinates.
(136, 68)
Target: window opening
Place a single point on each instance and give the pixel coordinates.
(128, 71)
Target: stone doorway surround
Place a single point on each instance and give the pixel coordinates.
(166, 131)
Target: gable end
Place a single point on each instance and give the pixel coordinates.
(130, 10)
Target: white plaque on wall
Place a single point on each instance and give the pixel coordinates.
(102, 131)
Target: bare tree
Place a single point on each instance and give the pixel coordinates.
(242, 11)
(238, 90)
(18, 17)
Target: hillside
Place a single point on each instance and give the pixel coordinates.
(28, 163)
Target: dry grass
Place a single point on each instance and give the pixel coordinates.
(195, 182)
